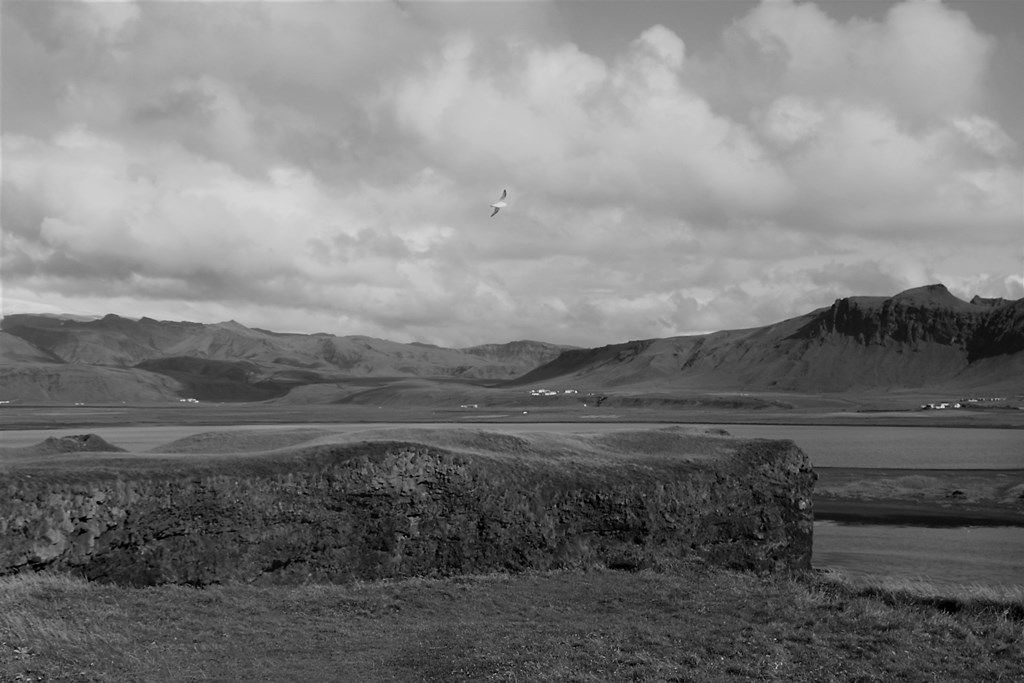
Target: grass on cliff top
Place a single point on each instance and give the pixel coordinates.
(263, 452)
(242, 440)
(566, 446)
(691, 624)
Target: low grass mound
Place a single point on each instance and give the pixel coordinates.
(949, 486)
(241, 441)
(74, 443)
(943, 497)
(1005, 601)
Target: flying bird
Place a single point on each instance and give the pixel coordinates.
(500, 204)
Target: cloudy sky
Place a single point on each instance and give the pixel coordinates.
(672, 167)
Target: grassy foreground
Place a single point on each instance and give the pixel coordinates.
(693, 623)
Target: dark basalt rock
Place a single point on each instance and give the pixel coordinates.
(994, 302)
(391, 509)
(929, 314)
(1001, 333)
(980, 329)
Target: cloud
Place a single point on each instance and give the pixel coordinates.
(924, 58)
(790, 120)
(986, 135)
(329, 166)
(871, 172)
(166, 213)
(569, 126)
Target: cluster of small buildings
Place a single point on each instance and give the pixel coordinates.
(940, 406)
(550, 392)
(188, 400)
(962, 403)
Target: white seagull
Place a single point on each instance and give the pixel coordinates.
(500, 204)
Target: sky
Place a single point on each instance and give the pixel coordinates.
(672, 168)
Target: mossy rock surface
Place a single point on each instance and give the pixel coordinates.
(411, 502)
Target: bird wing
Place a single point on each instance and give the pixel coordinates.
(496, 210)
(504, 193)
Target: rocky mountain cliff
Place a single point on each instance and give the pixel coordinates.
(921, 337)
(915, 317)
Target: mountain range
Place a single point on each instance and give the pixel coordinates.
(923, 337)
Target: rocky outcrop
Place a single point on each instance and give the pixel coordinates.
(386, 508)
(994, 302)
(1000, 334)
(921, 337)
(923, 315)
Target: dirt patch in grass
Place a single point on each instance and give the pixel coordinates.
(689, 624)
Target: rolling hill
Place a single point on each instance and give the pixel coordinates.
(224, 361)
(921, 338)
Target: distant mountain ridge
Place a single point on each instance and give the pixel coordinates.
(922, 337)
(229, 361)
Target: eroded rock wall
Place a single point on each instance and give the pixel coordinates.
(392, 509)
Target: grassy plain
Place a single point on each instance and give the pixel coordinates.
(518, 406)
(684, 623)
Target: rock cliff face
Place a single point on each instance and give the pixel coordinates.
(928, 314)
(1001, 333)
(921, 337)
(383, 508)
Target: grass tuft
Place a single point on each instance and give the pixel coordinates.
(1007, 601)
